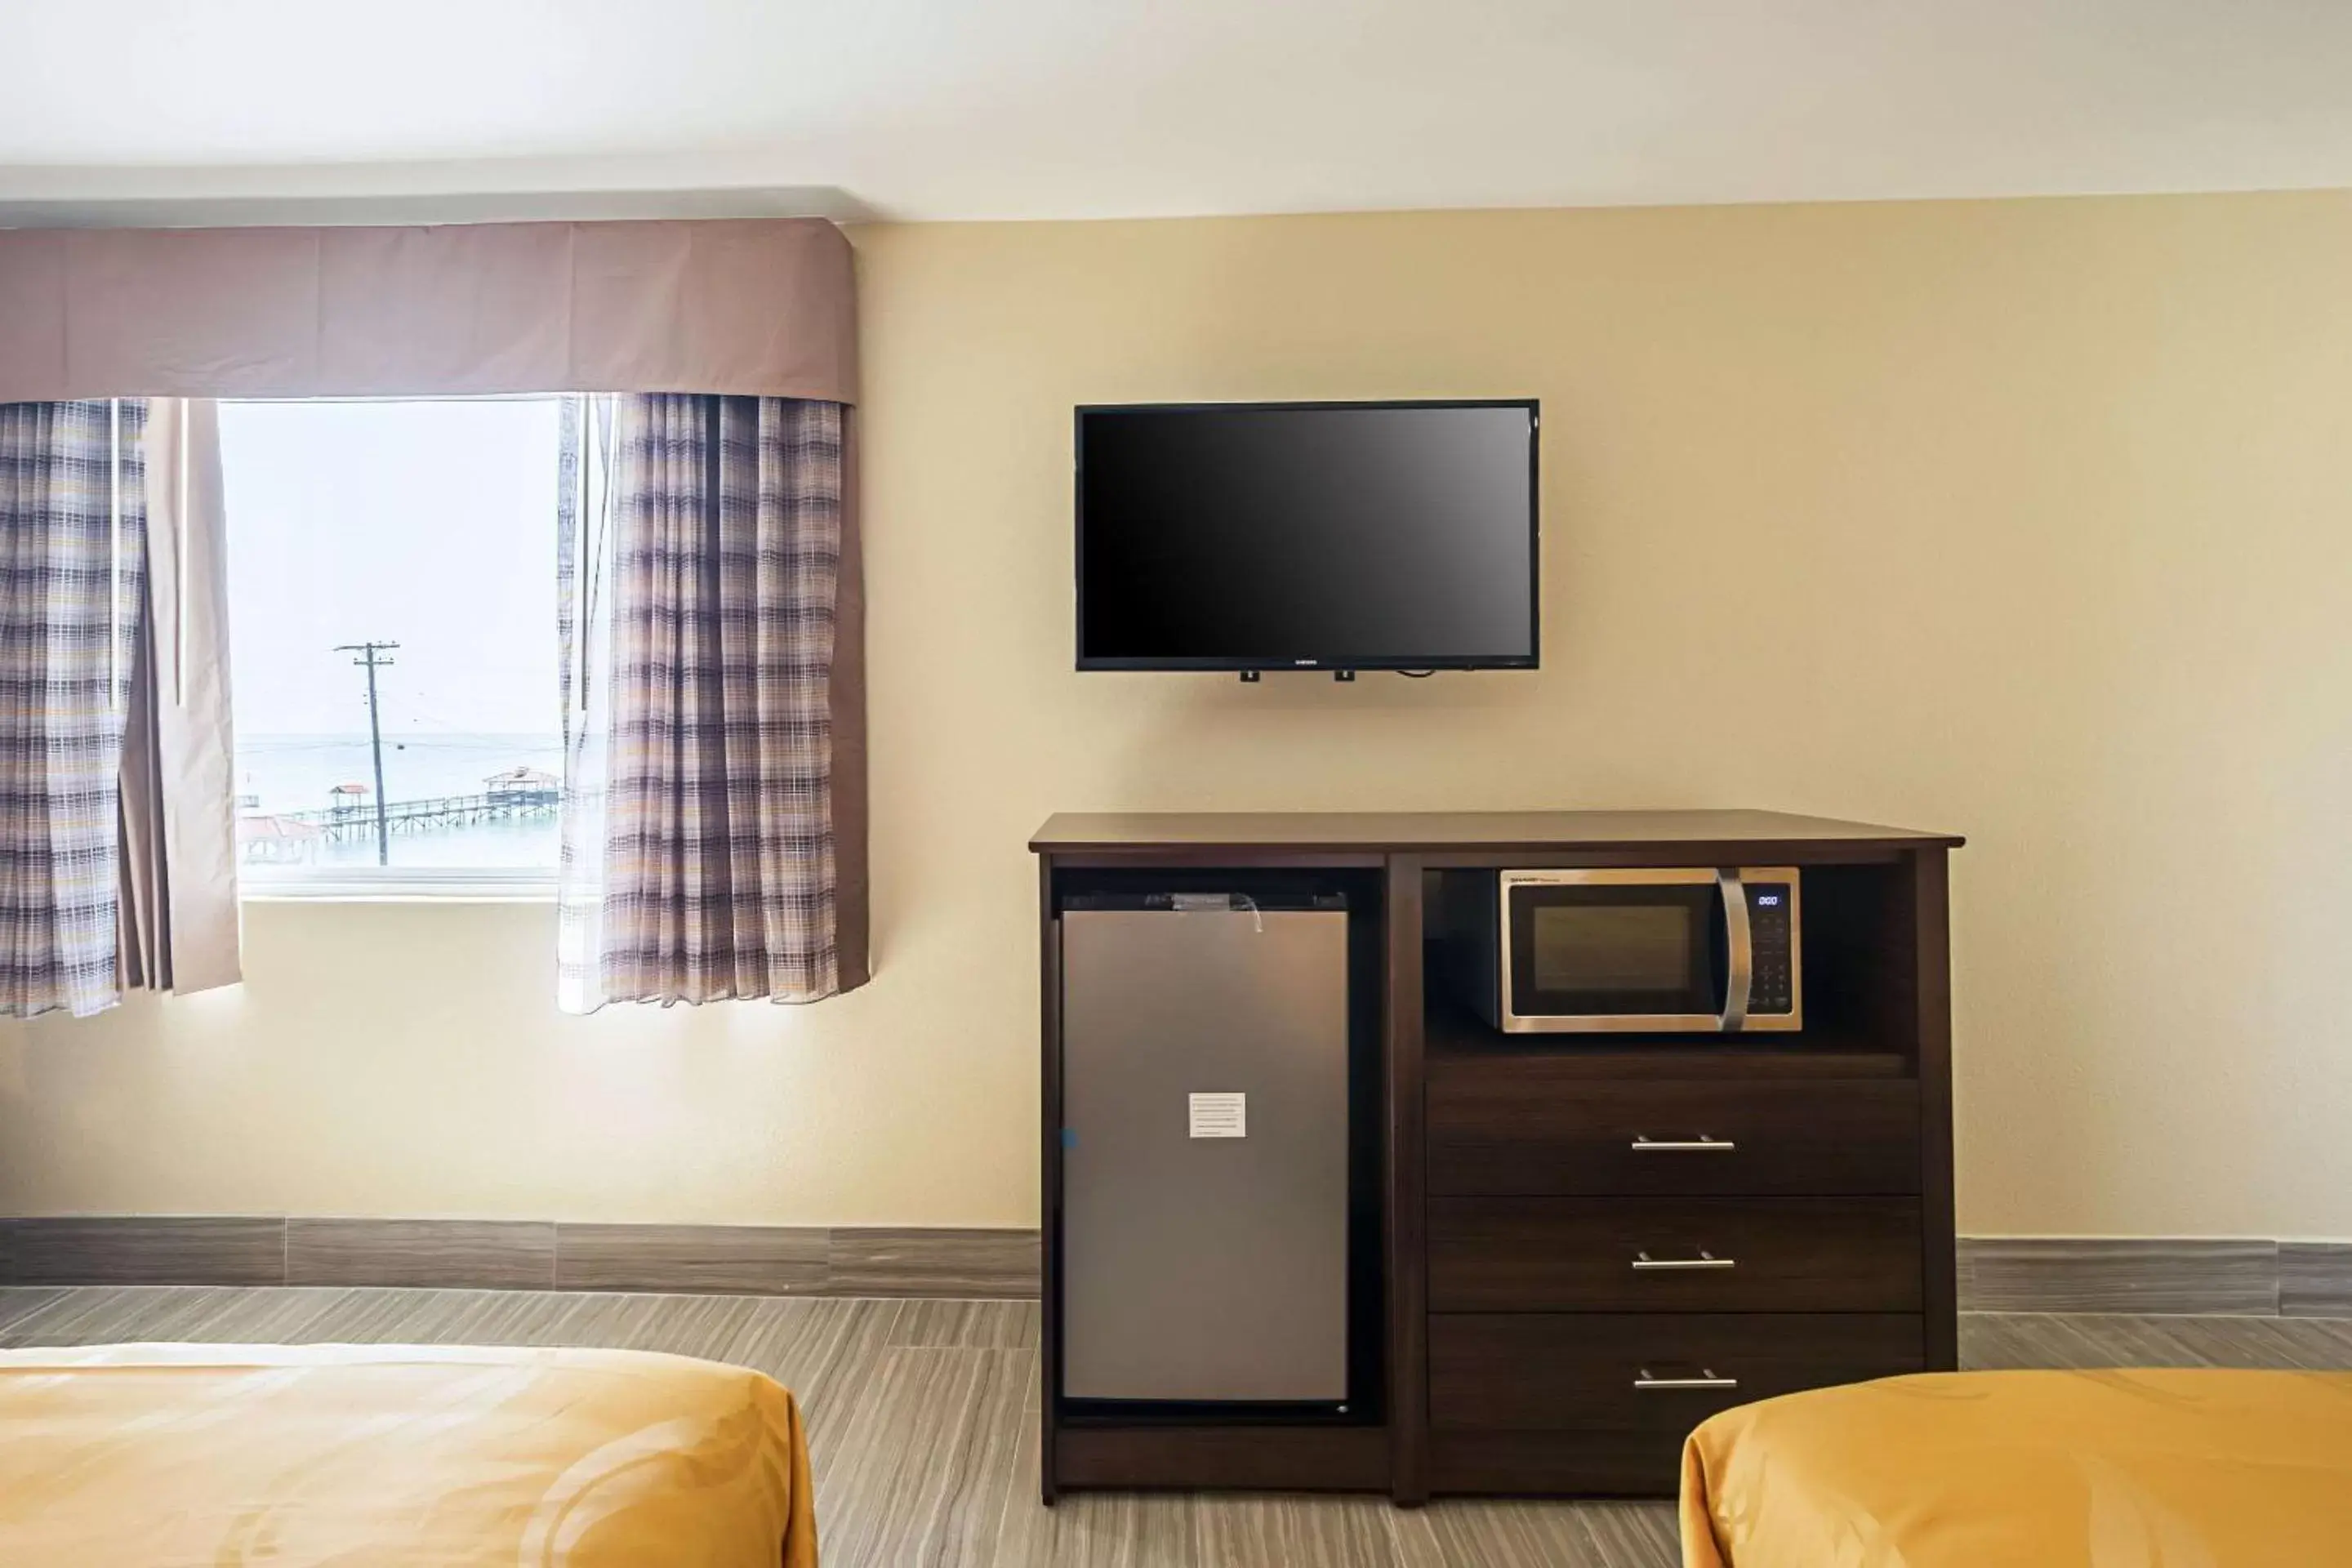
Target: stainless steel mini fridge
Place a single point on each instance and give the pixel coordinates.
(1204, 1166)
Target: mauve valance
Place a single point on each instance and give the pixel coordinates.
(753, 306)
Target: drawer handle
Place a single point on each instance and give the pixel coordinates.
(1702, 1144)
(1706, 1379)
(1705, 1259)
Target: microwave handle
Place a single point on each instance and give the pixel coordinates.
(1741, 982)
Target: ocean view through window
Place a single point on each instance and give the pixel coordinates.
(398, 553)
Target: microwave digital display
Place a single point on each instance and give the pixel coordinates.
(1621, 950)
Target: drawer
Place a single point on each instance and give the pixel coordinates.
(1510, 1127)
(1659, 1374)
(1678, 1255)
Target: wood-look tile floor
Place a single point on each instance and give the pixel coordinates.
(921, 1418)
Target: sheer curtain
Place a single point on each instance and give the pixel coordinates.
(583, 566)
(711, 698)
(179, 910)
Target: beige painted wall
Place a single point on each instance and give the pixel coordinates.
(2031, 520)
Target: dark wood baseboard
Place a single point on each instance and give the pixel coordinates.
(1997, 1274)
(2156, 1276)
(139, 1250)
(518, 1255)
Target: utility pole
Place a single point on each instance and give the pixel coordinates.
(370, 659)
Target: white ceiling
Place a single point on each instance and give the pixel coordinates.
(173, 111)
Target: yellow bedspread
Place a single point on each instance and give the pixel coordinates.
(424, 1457)
(2202, 1468)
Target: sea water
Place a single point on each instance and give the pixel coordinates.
(295, 772)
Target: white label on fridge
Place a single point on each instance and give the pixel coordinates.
(1220, 1115)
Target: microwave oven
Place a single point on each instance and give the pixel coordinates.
(1675, 950)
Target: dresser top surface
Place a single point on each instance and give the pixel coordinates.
(1444, 831)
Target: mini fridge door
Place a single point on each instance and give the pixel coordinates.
(1204, 1167)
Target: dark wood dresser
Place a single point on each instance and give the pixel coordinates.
(1580, 1245)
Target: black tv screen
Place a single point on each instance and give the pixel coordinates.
(1307, 535)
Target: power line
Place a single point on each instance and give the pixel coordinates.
(370, 659)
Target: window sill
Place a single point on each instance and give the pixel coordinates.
(403, 887)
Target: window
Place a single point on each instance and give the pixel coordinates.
(418, 536)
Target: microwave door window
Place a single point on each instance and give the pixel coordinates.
(1593, 951)
(1639, 950)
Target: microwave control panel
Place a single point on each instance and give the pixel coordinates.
(1768, 927)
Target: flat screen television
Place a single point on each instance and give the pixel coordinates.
(1340, 536)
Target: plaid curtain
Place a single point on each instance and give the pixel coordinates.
(701, 566)
(72, 578)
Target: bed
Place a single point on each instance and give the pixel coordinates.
(425, 1456)
(2182, 1469)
